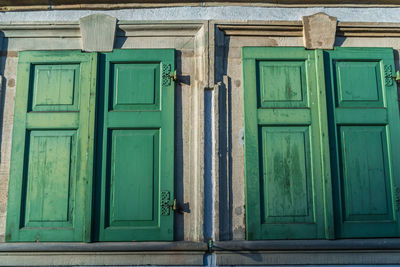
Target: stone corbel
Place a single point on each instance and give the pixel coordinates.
(98, 33)
(319, 31)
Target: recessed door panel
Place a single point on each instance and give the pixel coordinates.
(366, 177)
(54, 87)
(50, 179)
(135, 86)
(282, 83)
(287, 182)
(134, 176)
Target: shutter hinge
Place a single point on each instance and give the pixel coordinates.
(173, 75)
(397, 198)
(397, 76)
(173, 205)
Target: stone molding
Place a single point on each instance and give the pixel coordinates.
(28, 5)
(97, 32)
(187, 28)
(295, 29)
(319, 31)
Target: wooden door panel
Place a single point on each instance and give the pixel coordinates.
(366, 177)
(136, 146)
(287, 183)
(282, 84)
(50, 180)
(136, 86)
(364, 128)
(134, 178)
(283, 168)
(358, 83)
(52, 154)
(55, 87)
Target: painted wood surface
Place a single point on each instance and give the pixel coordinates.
(284, 189)
(135, 146)
(52, 151)
(364, 128)
(333, 162)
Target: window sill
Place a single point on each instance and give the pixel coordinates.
(309, 252)
(102, 253)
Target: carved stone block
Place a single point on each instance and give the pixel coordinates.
(319, 31)
(98, 32)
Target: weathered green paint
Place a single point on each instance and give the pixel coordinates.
(332, 162)
(54, 87)
(284, 189)
(364, 130)
(136, 86)
(52, 152)
(135, 145)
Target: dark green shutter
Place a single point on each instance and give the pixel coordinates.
(364, 132)
(136, 145)
(283, 158)
(52, 150)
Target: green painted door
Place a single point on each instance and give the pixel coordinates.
(283, 151)
(52, 151)
(135, 146)
(364, 133)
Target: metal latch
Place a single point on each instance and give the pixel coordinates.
(173, 205)
(397, 76)
(173, 75)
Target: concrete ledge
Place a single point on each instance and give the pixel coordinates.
(308, 252)
(300, 257)
(102, 253)
(100, 258)
(314, 245)
(102, 247)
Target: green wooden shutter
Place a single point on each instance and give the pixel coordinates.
(52, 150)
(364, 133)
(136, 145)
(283, 152)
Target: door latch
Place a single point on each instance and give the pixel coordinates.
(173, 76)
(397, 76)
(173, 205)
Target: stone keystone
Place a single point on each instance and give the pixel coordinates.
(319, 31)
(98, 32)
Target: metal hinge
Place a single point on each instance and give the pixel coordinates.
(173, 205)
(397, 76)
(173, 75)
(167, 75)
(397, 198)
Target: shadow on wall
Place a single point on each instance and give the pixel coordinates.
(179, 230)
(225, 138)
(3, 82)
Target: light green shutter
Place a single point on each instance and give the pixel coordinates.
(364, 132)
(136, 145)
(52, 150)
(283, 152)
